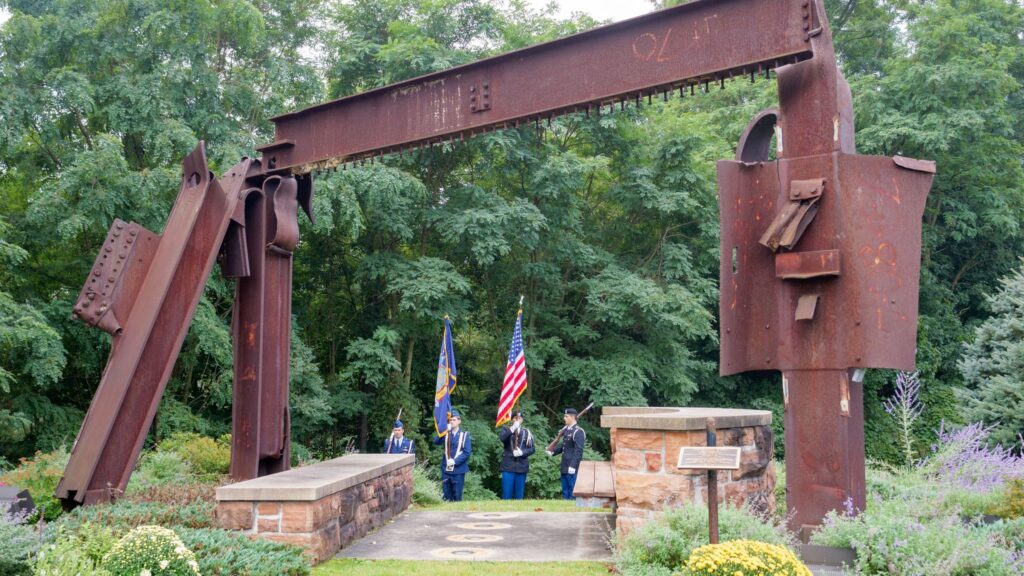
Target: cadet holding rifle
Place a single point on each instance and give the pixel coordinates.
(573, 438)
(397, 443)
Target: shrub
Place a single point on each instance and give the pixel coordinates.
(964, 458)
(663, 545)
(744, 557)
(122, 516)
(178, 494)
(1011, 505)
(18, 544)
(223, 553)
(159, 469)
(40, 476)
(426, 489)
(154, 549)
(79, 552)
(474, 489)
(915, 523)
(899, 537)
(204, 455)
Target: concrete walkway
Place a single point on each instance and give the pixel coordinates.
(503, 536)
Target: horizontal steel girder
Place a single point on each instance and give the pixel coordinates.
(697, 42)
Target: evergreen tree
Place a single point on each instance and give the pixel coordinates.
(993, 364)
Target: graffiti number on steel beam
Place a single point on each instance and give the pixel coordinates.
(647, 47)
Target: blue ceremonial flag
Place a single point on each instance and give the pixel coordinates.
(446, 380)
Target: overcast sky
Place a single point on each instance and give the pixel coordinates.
(602, 9)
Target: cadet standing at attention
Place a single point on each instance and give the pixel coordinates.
(571, 449)
(515, 461)
(455, 464)
(398, 443)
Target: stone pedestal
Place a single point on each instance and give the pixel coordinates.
(322, 507)
(645, 446)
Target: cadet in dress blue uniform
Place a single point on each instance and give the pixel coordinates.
(455, 464)
(398, 443)
(518, 443)
(571, 449)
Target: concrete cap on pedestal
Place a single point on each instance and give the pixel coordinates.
(315, 481)
(643, 418)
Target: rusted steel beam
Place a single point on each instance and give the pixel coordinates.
(701, 41)
(147, 303)
(820, 260)
(261, 326)
(824, 424)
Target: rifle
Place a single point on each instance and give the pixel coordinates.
(554, 443)
(391, 439)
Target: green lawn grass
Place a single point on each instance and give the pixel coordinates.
(509, 506)
(358, 567)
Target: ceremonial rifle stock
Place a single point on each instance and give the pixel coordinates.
(554, 443)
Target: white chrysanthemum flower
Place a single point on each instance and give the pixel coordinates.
(145, 572)
(164, 563)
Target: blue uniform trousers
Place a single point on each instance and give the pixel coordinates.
(451, 486)
(513, 485)
(568, 484)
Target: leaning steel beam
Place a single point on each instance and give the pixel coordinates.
(683, 46)
(144, 289)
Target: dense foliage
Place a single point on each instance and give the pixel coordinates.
(607, 226)
(928, 518)
(664, 546)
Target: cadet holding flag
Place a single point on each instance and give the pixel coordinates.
(457, 445)
(518, 441)
(457, 449)
(515, 463)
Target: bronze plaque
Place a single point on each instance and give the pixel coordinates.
(717, 458)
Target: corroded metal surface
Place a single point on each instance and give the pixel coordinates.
(820, 260)
(832, 288)
(154, 302)
(261, 326)
(861, 255)
(677, 48)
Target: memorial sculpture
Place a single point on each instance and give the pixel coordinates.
(820, 246)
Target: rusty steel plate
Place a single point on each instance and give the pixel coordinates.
(870, 219)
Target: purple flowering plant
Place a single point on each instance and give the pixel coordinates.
(962, 457)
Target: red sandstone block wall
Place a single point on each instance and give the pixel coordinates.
(647, 480)
(326, 525)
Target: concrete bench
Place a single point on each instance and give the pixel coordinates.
(595, 485)
(322, 507)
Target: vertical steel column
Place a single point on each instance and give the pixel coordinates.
(824, 423)
(261, 327)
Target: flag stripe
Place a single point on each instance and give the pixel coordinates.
(514, 383)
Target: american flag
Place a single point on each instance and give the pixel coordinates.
(515, 373)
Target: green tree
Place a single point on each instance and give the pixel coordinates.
(993, 364)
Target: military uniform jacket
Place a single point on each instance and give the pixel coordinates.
(571, 448)
(399, 446)
(522, 438)
(460, 447)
